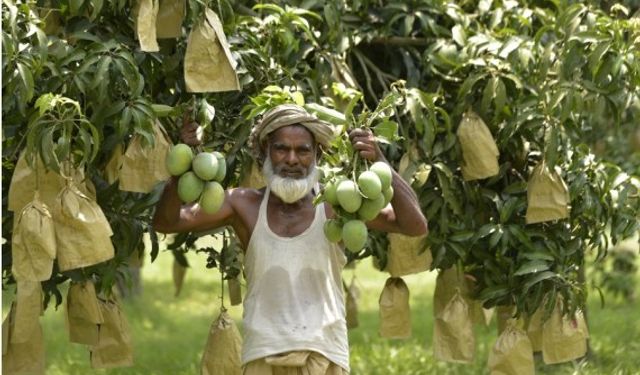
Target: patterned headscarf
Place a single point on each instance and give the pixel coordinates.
(285, 115)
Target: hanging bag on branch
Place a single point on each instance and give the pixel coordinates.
(143, 166)
(208, 63)
(352, 293)
(512, 353)
(453, 338)
(114, 343)
(26, 357)
(395, 313)
(223, 349)
(407, 255)
(563, 338)
(547, 195)
(534, 329)
(170, 17)
(83, 313)
(447, 283)
(28, 309)
(34, 242)
(112, 169)
(26, 180)
(83, 234)
(146, 13)
(479, 150)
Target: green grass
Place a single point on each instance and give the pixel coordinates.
(169, 333)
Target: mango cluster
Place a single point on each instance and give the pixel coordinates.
(356, 202)
(199, 176)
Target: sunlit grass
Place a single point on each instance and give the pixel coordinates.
(169, 333)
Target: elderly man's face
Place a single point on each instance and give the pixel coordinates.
(292, 151)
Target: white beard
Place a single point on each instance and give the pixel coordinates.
(289, 189)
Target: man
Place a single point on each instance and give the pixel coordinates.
(294, 314)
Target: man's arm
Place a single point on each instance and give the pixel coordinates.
(411, 221)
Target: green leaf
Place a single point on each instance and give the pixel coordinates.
(493, 293)
(387, 131)
(532, 267)
(545, 275)
(102, 73)
(27, 80)
(462, 236)
(458, 35)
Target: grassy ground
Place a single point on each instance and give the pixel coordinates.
(169, 333)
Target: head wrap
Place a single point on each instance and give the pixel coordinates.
(285, 115)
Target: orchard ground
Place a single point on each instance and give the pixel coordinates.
(169, 333)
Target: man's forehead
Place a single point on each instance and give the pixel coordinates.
(292, 133)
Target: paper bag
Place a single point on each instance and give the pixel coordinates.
(83, 234)
(28, 308)
(395, 313)
(208, 63)
(512, 353)
(447, 283)
(547, 195)
(235, 291)
(534, 330)
(23, 183)
(453, 338)
(563, 338)
(407, 255)
(352, 293)
(146, 13)
(479, 150)
(22, 357)
(223, 349)
(83, 313)
(34, 242)
(169, 20)
(114, 343)
(143, 167)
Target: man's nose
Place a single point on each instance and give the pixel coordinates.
(292, 158)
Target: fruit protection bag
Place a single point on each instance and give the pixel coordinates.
(208, 63)
(143, 166)
(352, 293)
(145, 13)
(83, 313)
(512, 353)
(34, 242)
(223, 349)
(114, 343)
(479, 150)
(453, 338)
(395, 313)
(407, 255)
(564, 338)
(169, 19)
(547, 195)
(83, 234)
(26, 356)
(235, 291)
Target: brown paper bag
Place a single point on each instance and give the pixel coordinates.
(407, 255)
(479, 315)
(145, 16)
(352, 293)
(447, 283)
(512, 353)
(453, 338)
(34, 242)
(547, 195)
(143, 167)
(208, 63)
(479, 150)
(504, 317)
(83, 234)
(534, 330)
(235, 291)
(563, 338)
(179, 272)
(112, 169)
(22, 357)
(83, 313)
(114, 343)
(395, 313)
(169, 20)
(253, 177)
(28, 308)
(23, 184)
(223, 349)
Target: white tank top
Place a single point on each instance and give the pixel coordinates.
(294, 297)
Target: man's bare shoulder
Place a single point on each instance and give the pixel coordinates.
(242, 196)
